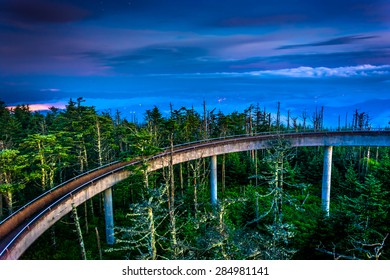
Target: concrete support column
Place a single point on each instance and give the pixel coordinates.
(213, 180)
(109, 216)
(326, 178)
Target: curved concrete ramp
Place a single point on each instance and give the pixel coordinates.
(21, 229)
(241, 144)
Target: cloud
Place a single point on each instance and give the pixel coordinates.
(307, 72)
(261, 21)
(335, 41)
(44, 11)
(50, 89)
(320, 72)
(154, 58)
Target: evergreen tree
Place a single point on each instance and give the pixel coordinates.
(48, 157)
(142, 238)
(12, 175)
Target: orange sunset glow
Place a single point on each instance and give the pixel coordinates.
(41, 107)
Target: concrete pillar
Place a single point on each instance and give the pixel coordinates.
(326, 178)
(109, 216)
(213, 180)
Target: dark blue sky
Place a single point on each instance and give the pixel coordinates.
(135, 54)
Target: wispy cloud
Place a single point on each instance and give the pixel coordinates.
(261, 21)
(50, 89)
(311, 72)
(335, 41)
(318, 72)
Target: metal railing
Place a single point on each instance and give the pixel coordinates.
(48, 208)
(57, 187)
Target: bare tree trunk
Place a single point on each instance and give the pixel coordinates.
(81, 162)
(10, 203)
(83, 159)
(85, 155)
(174, 233)
(170, 188)
(288, 120)
(195, 193)
(181, 179)
(223, 174)
(188, 175)
(79, 233)
(249, 128)
(276, 199)
(257, 209)
(152, 230)
(86, 217)
(368, 160)
(194, 169)
(250, 122)
(269, 121)
(98, 243)
(146, 179)
(256, 170)
(304, 116)
(99, 143)
(278, 117)
(205, 121)
(172, 204)
(281, 180)
(339, 123)
(221, 231)
(43, 171)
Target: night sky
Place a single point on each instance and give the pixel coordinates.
(133, 54)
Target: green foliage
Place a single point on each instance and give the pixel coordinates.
(12, 175)
(369, 204)
(142, 144)
(236, 167)
(381, 170)
(47, 156)
(141, 238)
(271, 202)
(357, 228)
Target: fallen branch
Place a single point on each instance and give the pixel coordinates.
(337, 256)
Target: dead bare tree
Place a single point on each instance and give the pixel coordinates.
(79, 233)
(141, 239)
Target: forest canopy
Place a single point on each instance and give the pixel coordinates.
(269, 203)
